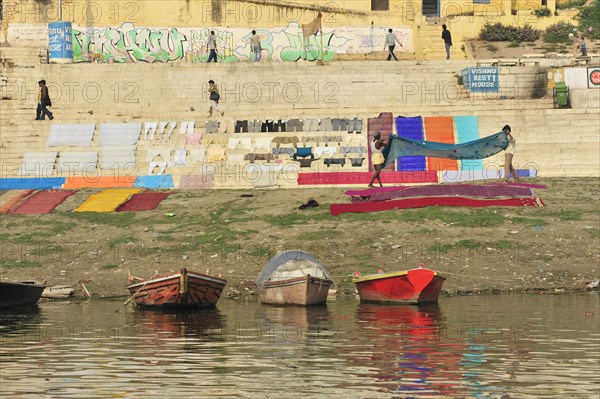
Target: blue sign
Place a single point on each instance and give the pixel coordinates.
(60, 41)
(481, 79)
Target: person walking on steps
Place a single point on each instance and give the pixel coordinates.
(447, 40)
(43, 101)
(211, 46)
(508, 156)
(390, 42)
(377, 158)
(256, 47)
(214, 98)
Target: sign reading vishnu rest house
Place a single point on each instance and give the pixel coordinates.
(60, 42)
(480, 79)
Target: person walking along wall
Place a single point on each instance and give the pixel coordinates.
(447, 40)
(390, 42)
(256, 46)
(211, 46)
(43, 101)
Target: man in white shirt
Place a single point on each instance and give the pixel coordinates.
(211, 46)
(256, 47)
(390, 42)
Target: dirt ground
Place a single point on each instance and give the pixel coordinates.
(482, 50)
(547, 249)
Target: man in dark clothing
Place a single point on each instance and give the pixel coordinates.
(447, 40)
(44, 101)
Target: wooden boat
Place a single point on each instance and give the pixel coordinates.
(294, 277)
(181, 289)
(301, 291)
(19, 294)
(413, 286)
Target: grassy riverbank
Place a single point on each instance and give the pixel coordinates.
(551, 248)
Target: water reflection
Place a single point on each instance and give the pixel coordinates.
(200, 324)
(494, 347)
(409, 350)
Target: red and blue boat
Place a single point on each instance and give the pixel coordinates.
(415, 286)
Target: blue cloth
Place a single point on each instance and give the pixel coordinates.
(410, 128)
(467, 129)
(162, 181)
(477, 149)
(21, 183)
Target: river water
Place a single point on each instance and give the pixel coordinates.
(530, 346)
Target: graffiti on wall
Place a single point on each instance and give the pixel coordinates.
(129, 43)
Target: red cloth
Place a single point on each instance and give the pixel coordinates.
(145, 201)
(337, 209)
(42, 202)
(365, 177)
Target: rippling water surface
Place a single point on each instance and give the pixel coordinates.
(490, 347)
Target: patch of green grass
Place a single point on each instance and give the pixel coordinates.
(261, 250)
(546, 258)
(113, 242)
(316, 235)
(514, 43)
(593, 232)
(18, 264)
(445, 248)
(491, 48)
(120, 219)
(293, 218)
(465, 218)
(528, 221)
(423, 231)
(29, 238)
(56, 226)
(565, 215)
(109, 266)
(472, 245)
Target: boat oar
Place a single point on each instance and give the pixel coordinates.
(133, 296)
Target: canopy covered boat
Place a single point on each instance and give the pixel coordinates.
(415, 286)
(294, 277)
(180, 289)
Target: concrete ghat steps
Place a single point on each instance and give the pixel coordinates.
(363, 89)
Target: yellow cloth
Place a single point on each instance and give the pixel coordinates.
(107, 200)
(377, 158)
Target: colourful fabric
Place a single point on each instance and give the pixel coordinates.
(374, 190)
(42, 202)
(142, 202)
(197, 182)
(412, 129)
(337, 209)
(477, 149)
(365, 177)
(99, 181)
(440, 129)
(530, 185)
(459, 190)
(9, 199)
(107, 200)
(155, 182)
(20, 183)
(467, 129)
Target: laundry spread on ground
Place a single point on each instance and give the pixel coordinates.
(42, 202)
